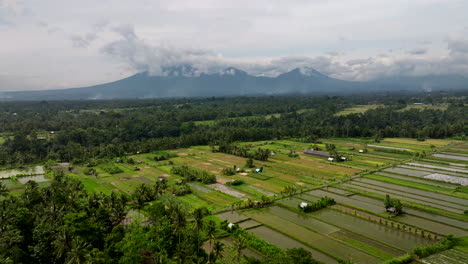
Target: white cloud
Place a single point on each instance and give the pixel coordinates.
(76, 43)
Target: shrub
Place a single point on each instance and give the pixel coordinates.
(111, 168)
(408, 258)
(446, 243)
(235, 182)
(322, 203)
(192, 174)
(228, 171)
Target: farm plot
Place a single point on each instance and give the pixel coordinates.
(386, 147)
(338, 191)
(357, 109)
(30, 171)
(427, 224)
(407, 171)
(378, 232)
(447, 178)
(433, 186)
(408, 190)
(224, 189)
(418, 180)
(408, 197)
(414, 143)
(451, 256)
(450, 156)
(311, 238)
(375, 248)
(419, 213)
(195, 202)
(273, 237)
(430, 171)
(248, 224)
(302, 220)
(307, 197)
(232, 216)
(437, 167)
(349, 201)
(291, 201)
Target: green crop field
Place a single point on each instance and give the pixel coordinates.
(432, 208)
(358, 109)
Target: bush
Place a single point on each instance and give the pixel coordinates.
(446, 243)
(181, 190)
(408, 258)
(111, 168)
(90, 171)
(322, 203)
(228, 171)
(164, 156)
(235, 182)
(192, 174)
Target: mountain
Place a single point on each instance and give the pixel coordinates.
(186, 81)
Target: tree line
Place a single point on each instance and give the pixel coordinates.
(82, 131)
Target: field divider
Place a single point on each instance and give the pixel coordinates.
(339, 227)
(411, 204)
(437, 201)
(303, 242)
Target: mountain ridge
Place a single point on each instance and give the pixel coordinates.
(187, 81)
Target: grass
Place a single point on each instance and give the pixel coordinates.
(358, 109)
(441, 107)
(462, 244)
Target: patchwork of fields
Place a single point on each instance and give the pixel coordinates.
(432, 188)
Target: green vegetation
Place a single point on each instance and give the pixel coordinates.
(358, 109)
(408, 258)
(191, 174)
(321, 203)
(446, 243)
(144, 176)
(393, 206)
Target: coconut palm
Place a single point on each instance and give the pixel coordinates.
(3, 190)
(78, 252)
(218, 248)
(240, 243)
(62, 243)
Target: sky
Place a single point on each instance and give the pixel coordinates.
(55, 44)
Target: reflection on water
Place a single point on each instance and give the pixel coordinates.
(29, 171)
(36, 178)
(389, 235)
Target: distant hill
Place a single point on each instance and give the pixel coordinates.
(185, 81)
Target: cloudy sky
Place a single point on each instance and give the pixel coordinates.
(53, 44)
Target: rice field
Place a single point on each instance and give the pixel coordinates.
(358, 228)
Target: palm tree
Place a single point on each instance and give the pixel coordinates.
(78, 252)
(3, 190)
(240, 243)
(198, 215)
(62, 243)
(211, 231)
(178, 219)
(217, 250)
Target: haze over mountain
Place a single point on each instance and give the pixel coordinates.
(187, 81)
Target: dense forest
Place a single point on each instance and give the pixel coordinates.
(81, 131)
(62, 223)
